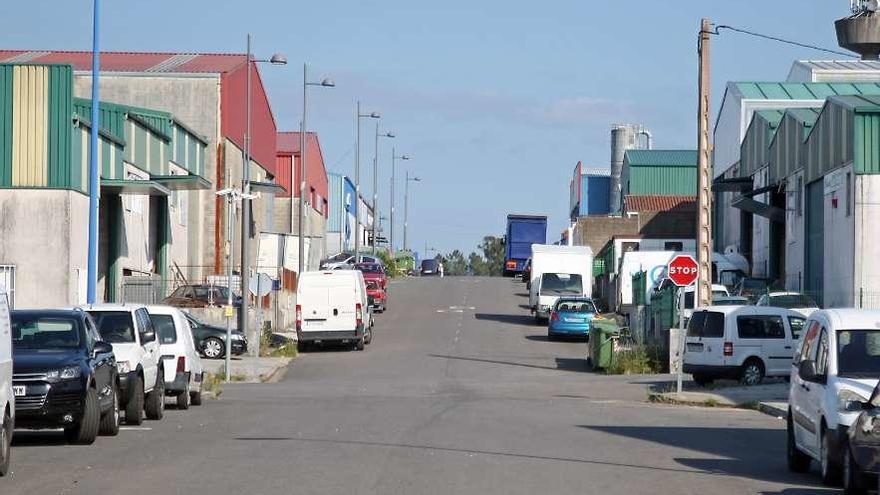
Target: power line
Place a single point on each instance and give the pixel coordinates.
(782, 40)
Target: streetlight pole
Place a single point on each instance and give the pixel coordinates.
(357, 180)
(94, 184)
(389, 135)
(277, 59)
(394, 157)
(406, 208)
(327, 83)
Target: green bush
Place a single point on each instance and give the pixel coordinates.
(635, 360)
(390, 264)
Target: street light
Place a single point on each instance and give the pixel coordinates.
(357, 179)
(325, 83)
(394, 157)
(406, 208)
(276, 59)
(389, 135)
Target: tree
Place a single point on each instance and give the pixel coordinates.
(455, 264)
(478, 265)
(493, 253)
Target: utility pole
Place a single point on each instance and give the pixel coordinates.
(703, 295)
(357, 187)
(94, 177)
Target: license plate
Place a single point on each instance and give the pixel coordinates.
(695, 347)
(314, 323)
(574, 320)
(19, 390)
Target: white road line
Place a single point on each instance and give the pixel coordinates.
(135, 428)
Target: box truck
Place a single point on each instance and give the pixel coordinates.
(522, 232)
(558, 271)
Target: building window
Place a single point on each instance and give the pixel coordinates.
(673, 246)
(627, 247)
(799, 197)
(7, 283)
(849, 194)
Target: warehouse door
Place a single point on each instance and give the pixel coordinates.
(814, 244)
(777, 239)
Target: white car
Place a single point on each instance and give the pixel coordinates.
(345, 261)
(332, 306)
(795, 301)
(688, 294)
(130, 330)
(741, 342)
(832, 376)
(181, 364)
(7, 397)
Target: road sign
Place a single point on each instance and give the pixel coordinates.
(260, 284)
(682, 270)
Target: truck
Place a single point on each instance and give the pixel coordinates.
(522, 232)
(558, 271)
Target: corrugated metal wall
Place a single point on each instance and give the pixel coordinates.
(754, 152)
(662, 180)
(35, 112)
(830, 145)
(336, 203)
(867, 143)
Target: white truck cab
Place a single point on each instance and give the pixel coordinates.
(7, 396)
(130, 330)
(832, 376)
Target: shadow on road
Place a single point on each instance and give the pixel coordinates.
(731, 451)
(525, 306)
(562, 364)
(561, 338)
(500, 318)
(38, 438)
(522, 294)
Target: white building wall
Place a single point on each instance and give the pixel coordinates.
(137, 250)
(839, 241)
(867, 240)
(794, 232)
(760, 231)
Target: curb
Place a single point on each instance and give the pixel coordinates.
(772, 410)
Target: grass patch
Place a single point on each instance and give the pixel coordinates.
(635, 360)
(272, 345)
(285, 351)
(212, 383)
(236, 377)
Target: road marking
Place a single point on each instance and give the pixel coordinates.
(135, 428)
(461, 308)
(450, 311)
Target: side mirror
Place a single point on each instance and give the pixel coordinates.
(102, 347)
(147, 337)
(807, 370)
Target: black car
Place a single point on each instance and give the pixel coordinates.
(861, 461)
(430, 267)
(64, 375)
(211, 340)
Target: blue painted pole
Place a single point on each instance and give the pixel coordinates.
(92, 281)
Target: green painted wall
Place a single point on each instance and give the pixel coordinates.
(666, 181)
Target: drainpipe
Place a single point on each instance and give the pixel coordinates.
(649, 136)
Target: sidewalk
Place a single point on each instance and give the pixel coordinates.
(770, 398)
(246, 369)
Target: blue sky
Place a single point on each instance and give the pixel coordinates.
(496, 100)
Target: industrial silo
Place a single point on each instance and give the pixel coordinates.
(623, 137)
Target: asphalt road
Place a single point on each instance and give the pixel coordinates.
(458, 393)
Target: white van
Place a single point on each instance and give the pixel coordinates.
(558, 271)
(181, 363)
(741, 342)
(687, 293)
(332, 306)
(7, 396)
(832, 377)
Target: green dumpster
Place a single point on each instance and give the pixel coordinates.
(600, 347)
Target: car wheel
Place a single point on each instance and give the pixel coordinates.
(213, 348)
(183, 398)
(798, 462)
(853, 479)
(301, 346)
(5, 444)
(135, 406)
(195, 398)
(752, 372)
(155, 404)
(110, 420)
(84, 432)
(703, 380)
(368, 337)
(828, 467)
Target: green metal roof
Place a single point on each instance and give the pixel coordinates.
(661, 158)
(803, 91)
(773, 117)
(113, 117)
(860, 104)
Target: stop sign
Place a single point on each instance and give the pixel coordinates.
(682, 270)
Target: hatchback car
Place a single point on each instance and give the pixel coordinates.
(740, 342)
(378, 296)
(181, 364)
(210, 339)
(374, 271)
(65, 376)
(861, 458)
(832, 376)
(200, 296)
(571, 317)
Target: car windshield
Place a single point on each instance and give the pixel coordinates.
(792, 301)
(45, 332)
(370, 268)
(372, 284)
(730, 301)
(338, 258)
(164, 325)
(211, 292)
(575, 306)
(429, 264)
(115, 327)
(858, 353)
(561, 283)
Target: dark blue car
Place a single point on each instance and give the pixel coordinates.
(571, 317)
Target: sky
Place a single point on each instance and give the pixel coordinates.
(495, 100)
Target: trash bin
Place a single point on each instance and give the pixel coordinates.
(600, 347)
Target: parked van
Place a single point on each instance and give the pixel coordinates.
(181, 363)
(7, 395)
(332, 306)
(558, 271)
(832, 378)
(741, 342)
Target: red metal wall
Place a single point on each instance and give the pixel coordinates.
(233, 91)
(316, 172)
